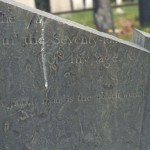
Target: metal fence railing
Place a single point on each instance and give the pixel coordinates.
(129, 4)
(101, 9)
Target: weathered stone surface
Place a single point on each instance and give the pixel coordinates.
(142, 39)
(145, 132)
(68, 87)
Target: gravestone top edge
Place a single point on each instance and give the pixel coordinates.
(143, 33)
(73, 24)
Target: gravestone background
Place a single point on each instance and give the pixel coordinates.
(30, 3)
(144, 12)
(65, 5)
(65, 86)
(142, 39)
(60, 6)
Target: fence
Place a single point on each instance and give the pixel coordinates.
(72, 10)
(100, 8)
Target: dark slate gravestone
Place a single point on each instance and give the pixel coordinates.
(142, 39)
(68, 87)
(144, 12)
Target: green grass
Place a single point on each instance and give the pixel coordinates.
(85, 18)
(131, 15)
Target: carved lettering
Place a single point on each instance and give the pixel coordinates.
(80, 40)
(102, 97)
(6, 19)
(79, 58)
(30, 40)
(7, 41)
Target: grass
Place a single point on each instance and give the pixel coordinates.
(128, 21)
(85, 18)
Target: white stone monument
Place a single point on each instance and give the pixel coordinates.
(60, 5)
(78, 4)
(119, 10)
(30, 3)
(65, 5)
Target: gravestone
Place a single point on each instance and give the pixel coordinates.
(142, 39)
(119, 11)
(30, 3)
(60, 5)
(144, 13)
(64, 86)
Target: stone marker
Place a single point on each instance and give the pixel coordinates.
(60, 5)
(118, 10)
(64, 86)
(142, 39)
(30, 3)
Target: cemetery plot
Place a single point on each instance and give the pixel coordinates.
(142, 39)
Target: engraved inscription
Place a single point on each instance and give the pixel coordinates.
(67, 87)
(103, 96)
(30, 40)
(4, 18)
(79, 58)
(6, 126)
(79, 39)
(7, 41)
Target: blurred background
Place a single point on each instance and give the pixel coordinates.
(118, 17)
